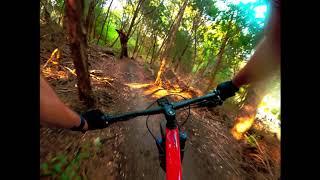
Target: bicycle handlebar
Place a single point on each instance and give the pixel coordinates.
(158, 110)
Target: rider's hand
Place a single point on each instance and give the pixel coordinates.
(95, 119)
(227, 89)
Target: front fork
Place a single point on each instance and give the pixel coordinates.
(161, 145)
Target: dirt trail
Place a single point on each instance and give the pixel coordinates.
(139, 153)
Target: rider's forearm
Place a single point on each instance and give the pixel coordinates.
(264, 62)
(53, 112)
(266, 58)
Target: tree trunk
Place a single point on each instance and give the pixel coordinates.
(136, 45)
(124, 37)
(216, 68)
(195, 27)
(47, 16)
(114, 42)
(95, 24)
(139, 47)
(90, 17)
(104, 22)
(123, 41)
(78, 43)
(180, 57)
(218, 62)
(219, 57)
(135, 14)
(106, 37)
(62, 13)
(201, 72)
(153, 49)
(167, 36)
(174, 56)
(148, 53)
(149, 50)
(170, 41)
(196, 24)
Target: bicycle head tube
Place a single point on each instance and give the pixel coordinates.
(169, 112)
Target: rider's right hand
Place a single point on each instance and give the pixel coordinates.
(227, 89)
(95, 119)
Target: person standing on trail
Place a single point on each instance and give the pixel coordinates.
(54, 113)
(265, 60)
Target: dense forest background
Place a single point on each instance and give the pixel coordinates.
(202, 39)
(188, 47)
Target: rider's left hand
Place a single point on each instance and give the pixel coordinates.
(95, 119)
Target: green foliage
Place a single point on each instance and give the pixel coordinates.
(251, 141)
(204, 20)
(61, 167)
(252, 138)
(274, 111)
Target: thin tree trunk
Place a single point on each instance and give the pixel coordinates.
(124, 43)
(168, 46)
(114, 42)
(104, 22)
(174, 56)
(195, 38)
(180, 57)
(218, 62)
(153, 50)
(203, 70)
(124, 37)
(136, 45)
(62, 13)
(149, 50)
(47, 16)
(90, 17)
(168, 34)
(135, 14)
(95, 24)
(140, 46)
(78, 43)
(219, 57)
(106, 37)
(196, 23)
(216, 68)
(100, 34)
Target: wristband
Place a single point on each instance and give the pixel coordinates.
(80, 127)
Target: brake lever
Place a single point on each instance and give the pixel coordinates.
(213, 101)
(107, 118)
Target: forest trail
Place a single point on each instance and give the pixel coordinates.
(125, 150)
(184, 47)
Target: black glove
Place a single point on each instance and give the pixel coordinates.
(227, 89)
(95, 119)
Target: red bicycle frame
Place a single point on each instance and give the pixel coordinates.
(173, 159)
